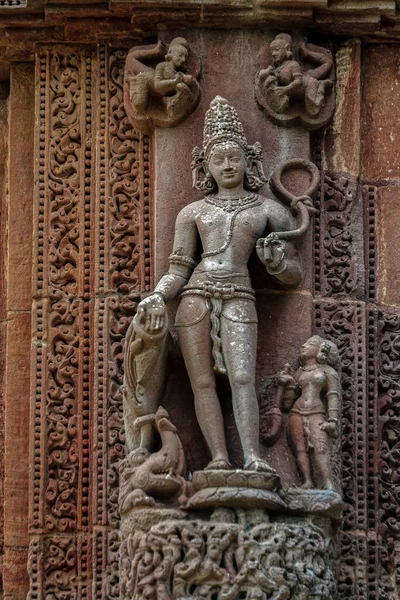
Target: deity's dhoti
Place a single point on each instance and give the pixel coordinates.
(215, 300)
(305, 430)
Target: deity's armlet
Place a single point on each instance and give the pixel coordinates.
(333, 394)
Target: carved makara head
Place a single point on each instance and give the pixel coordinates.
(223, 130)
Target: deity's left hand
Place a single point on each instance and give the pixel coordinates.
(151, 313)
(331, 428)
(271, 251)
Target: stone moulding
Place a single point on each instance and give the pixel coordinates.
(13, 4)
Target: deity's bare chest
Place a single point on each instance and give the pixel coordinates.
(315, 377)
(284, 74)
(214, 223)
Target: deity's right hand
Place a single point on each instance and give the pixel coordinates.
(285, 379)
(268, 71)
(151, 313)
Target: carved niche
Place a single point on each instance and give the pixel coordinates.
(225, 532)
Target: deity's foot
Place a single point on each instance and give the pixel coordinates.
(258, 464)
(307, 485)
(328, 485)
(219, 463)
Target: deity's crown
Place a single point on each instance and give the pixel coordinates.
(222, 125)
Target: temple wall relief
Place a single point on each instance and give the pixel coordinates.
(129, 510)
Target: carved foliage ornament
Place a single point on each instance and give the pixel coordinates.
(226, 561)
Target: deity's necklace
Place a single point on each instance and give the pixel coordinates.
(311, 368)
(229, 204)
(234, 206)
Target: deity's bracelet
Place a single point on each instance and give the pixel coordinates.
(278, 271)
(157, 293)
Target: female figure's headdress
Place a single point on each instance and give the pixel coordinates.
(222, 128)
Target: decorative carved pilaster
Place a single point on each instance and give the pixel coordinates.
(226, 559)
(369, 197)
(388, 409)
(61, 322)
(123, 271)
(344, 324)
(335, 265)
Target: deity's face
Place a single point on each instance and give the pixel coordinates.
(227, 164)
(279, 52)
(178, 56)
(310, 348)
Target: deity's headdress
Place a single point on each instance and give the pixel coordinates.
(223, 128)
(286, 40)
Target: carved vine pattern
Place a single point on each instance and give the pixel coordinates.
(60, 566)
(339, 276)
(64, 196)
(389, 424)
(125, 193)
(338, 325)
(196, 559)
(121, 310)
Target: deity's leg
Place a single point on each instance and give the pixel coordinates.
(321, 443)
(195, 343)
(239, 343)
(299, 442)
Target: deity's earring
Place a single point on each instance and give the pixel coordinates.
(323, 353)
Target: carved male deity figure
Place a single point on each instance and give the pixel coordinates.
(216, 319)
(313, 397)
(284, 79)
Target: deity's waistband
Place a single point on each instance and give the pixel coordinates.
(219, 290)
(307, 412)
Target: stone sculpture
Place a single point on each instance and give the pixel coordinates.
(160, 475)
(312, 397)
(210, 536)
(293, 91)
(164, 94)
(216, 319)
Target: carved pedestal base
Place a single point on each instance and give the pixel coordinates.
(318, 502)
(235, 489)
(225, 555)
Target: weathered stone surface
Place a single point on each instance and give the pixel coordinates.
(111, 240)
(16, 413)
(4, 90)
(20, 187)
(16, 330)
(387, 216)
(250, 558)
(342, 142)
(15, 573)
(380, 147)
